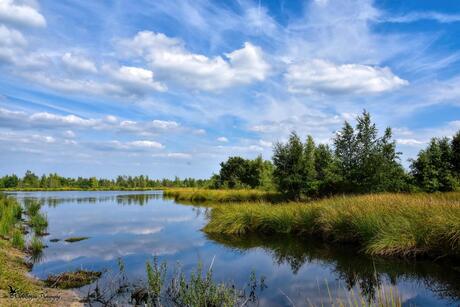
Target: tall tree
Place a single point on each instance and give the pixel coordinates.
(289, 171)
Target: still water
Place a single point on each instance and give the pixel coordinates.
(136, 226)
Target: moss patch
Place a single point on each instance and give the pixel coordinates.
(75, 239)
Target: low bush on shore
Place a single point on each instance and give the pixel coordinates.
(382, 224)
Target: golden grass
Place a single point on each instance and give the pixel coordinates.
(383, 224)
(221, 195)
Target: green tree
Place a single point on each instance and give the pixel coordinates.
(456, 154)
(367, 162)
(433, 169)
(289, 163)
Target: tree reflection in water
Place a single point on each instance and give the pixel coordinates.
(351, 267)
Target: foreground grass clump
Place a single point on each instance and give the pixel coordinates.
(70, 280)
(382, 224)
(10, 215)
(209, 195)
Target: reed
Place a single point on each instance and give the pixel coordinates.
(382, 224)
(221, 195)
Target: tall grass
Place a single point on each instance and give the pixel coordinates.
(382, 224)
(10, 214)
(219, 196)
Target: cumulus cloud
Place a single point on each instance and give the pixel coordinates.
(16, 13)
(222, 139)
(137, 79)
(321, 76)
(11, 37)
(169, 57)
(164, 124)
(78, 63)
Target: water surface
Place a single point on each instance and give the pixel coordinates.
(136, 226)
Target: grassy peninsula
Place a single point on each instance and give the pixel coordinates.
(381, 224)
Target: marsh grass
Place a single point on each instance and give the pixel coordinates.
(382, 224)
(17, 239)
(35, 247)
(10, 215)
(221, 195)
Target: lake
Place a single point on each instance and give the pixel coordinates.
(136, 226)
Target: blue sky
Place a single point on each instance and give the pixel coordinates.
(166, 88)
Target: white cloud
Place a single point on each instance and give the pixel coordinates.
(145, 144)
(417, 16)
(265, 143)
(11, 37)
(169, 57)
(78, 63)
(320, 76)
(44, 138)
(174, 155)
(163, 124)
(63, 120)
(20, 14)
(69, 134)
(222, 139)
(136, 78)
(409, 142)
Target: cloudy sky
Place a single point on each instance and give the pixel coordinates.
(165, 88)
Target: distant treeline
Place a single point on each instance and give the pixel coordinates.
(54, 181)
(359, 161)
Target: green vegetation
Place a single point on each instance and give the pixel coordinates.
(54, 182)
(10, 215)
(70, 280)
(76, 239)
(220, 196)
(199, 289)
(35, 247)
(241, 173)
(382, 224)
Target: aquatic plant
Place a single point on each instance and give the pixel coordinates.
(382, 224)
(39, 223)
(32, 207)
(35, 247)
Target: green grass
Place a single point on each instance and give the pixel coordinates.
(35, 246)
(39, 223)
(31, 207)
(381, 224)
(18, 239)
(220, 196)
(10, 214)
